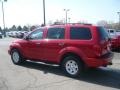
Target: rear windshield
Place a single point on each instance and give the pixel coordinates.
(80, 33)
(103, 33)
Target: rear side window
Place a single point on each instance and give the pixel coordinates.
(80, 33)
(103, 33)
(56, 33)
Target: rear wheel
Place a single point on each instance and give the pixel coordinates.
(72, 66)
(16, 57)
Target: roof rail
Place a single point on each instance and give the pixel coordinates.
(80, 23)
(72, 24)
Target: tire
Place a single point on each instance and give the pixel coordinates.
(72, 66)
(16, 57)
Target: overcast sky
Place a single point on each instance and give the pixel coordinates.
(30, 12)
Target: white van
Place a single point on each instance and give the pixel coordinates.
(112, 33)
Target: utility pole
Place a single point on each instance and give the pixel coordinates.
(69, 19)
(3, 15)
(4, 26)
(44, 12)
(66, 14)
(119, 18)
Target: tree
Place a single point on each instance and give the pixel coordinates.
(109, 25)
(25, 28)
(13, 28)
(102, 23)
(19, 28)
(32, 28)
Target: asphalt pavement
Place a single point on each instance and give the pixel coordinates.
(36, 76)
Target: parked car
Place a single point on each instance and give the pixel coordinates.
(73, 46)
(22, 34)
(115, 38)
(9, 34)
(118, 32)
(12, 33)
(112, 33)
(1, 35)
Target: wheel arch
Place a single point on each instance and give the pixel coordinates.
(72, 54)
(17, 47)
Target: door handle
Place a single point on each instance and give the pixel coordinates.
(38, 43)
(61, 44)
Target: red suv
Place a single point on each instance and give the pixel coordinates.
(115, 38)
(72, 46)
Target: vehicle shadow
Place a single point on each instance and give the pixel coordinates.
(117, 50)
(109, 77)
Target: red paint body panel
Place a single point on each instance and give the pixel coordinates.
(52, 50)
(116, 43)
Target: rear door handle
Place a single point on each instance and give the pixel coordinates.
(37, 43)
(61, 44)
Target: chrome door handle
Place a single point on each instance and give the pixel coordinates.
(38, 43)
(61, 44)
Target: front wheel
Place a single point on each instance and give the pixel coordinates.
(72, 66)
(16, 57)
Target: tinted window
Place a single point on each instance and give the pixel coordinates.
(37, 34)
(111, 31)
(117, 30)
(103, 33)
(80, 33)
(55, 33)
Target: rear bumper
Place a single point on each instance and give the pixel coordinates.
(100, 61)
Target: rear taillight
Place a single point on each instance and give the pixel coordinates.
(109, 46)
(101, 49)
(98, 50)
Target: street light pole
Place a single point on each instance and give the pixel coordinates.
(69, 19)
(119, 18)
(2, 1)
(66, 14)
(3, 15)
(44, 12)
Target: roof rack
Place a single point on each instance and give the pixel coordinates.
(80, 23)
(72, 24)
